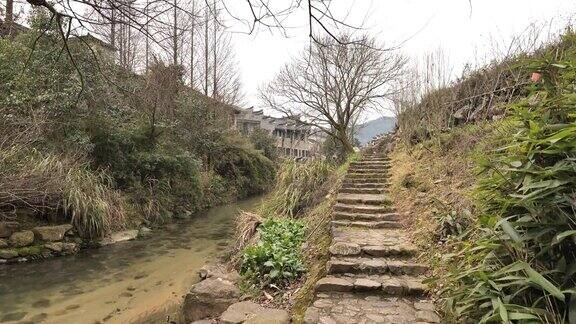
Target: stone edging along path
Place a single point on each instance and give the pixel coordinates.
(371, 275)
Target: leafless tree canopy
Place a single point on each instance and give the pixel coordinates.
(139, 14)
(332, 84)
(190, 33)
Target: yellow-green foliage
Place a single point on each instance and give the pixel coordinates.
(50, 184)
(277, 257)
(297, 185)
(93, 207)
(520, 262)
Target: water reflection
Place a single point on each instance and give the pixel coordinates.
(36, 292)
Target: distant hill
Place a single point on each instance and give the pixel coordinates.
(368, 130)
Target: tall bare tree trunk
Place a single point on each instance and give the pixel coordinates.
(345, 140)
(175, 35)
(215, 53)
(9, 19)
(113, 27)
(206, 44)
(192, 35)
(147, 13)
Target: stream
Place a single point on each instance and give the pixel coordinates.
(141, 281)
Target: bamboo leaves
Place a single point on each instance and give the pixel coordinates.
(523, 268)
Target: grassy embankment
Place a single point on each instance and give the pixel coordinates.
(282, 271)
(491, 200)
(86, 142)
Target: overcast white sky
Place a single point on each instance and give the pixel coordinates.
(463, 32)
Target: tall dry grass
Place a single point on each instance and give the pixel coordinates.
(431, 101)
(53, 186)
(297, 186)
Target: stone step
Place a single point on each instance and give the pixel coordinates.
(358, 307)
(373, 191)
(363, 199)
(381, 181)
(369, 224)
(369, 166)
(366, 162)
(373, 172)
(362, 185)
(373, 175)
(374, 266)
(370, 238)
(398, 286)
(348, 249)
(374, 156)
(367, 170)
(366, 217)
(375, 160)
(362, 209)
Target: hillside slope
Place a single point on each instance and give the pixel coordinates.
(375, 127)
(490, 198)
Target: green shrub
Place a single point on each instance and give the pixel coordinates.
(142, 143)
(277, 257)
(296, 187)
(265, 143)
(246, 168)
(215, 189)
(521, 265)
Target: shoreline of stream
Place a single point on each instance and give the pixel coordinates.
(139, 281)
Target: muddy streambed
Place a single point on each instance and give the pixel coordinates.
(131, 282)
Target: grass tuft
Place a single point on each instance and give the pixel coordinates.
(297, 186)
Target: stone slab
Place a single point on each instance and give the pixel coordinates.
(356, 308)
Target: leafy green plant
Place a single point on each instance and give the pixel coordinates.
(276, 258)
(521, 265)
(453, 224)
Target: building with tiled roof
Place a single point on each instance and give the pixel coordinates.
(292, 137)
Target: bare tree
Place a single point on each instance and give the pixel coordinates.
(192, 47)
(6, 29)
(215, 50)
(227, 86)
(206, 48)
(113, 26)
(147, 39)
(157, 98)
(213, 67)
(265, 13)
(331, 85)
(149, 18)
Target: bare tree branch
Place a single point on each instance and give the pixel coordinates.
(333, 83)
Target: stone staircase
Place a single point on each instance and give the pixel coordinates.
(371, 276)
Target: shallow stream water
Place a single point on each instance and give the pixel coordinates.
(141, 281)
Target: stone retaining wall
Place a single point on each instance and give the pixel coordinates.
(21, 245)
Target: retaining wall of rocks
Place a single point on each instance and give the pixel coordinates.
(21, 245)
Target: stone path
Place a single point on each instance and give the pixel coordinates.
(371, 276)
